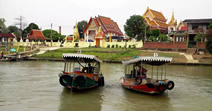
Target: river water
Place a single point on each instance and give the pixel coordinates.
(34, 86)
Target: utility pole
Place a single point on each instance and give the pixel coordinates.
(20, 23)
(51, 35)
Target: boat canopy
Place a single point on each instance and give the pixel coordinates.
(83, 57)
(152, 60)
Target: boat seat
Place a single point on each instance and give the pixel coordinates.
(77, 69)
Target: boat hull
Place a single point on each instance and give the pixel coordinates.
(79, 81)
(143, 87)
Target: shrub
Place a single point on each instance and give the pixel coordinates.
(117, 46)
(129, 46)
(113, 46)
(134, 46)
(209, 45)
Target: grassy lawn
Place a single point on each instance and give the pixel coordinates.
(21, 49)
(109, 54)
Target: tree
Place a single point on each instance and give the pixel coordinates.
(3, 28)
(209, 39)
(12, 29)
(163, 37)
(152, 38)
(135, 27)
(210, 26)
(155, 32)
(81, 26)
(199, 37)
(55, 35)
(27, 30)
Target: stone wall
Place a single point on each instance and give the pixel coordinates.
(83, 44)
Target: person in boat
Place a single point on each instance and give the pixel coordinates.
(2, 54)
(141, 71)
(88, 69)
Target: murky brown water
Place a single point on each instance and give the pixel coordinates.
(34, 86)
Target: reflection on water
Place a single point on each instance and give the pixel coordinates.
(33, 86)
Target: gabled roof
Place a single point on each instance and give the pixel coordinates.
(36, 35)
(6, 35)
(107, 25)
(156, 15)
(184, 28)
(156, 20)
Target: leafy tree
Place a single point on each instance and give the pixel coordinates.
(163, 37)
(210, 26)
(55, 35)
(199, 37)
(3, 28)
(27, 30)
(12, 29)
(152, 38)
(156, 32)
(81, 26)
(209, 39)
(135, 27)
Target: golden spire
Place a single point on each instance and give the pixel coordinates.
(76, 33)
(172, 21)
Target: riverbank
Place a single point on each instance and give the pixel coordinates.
(116, 55)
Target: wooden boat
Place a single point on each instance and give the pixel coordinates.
(81, 72)
(136, 79)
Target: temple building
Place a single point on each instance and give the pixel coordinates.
(36, 35)
(172, 25)
(108, 27)
(5, 38)
(155, 20)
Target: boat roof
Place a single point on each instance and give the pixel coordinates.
(152, 60)
(86, 58)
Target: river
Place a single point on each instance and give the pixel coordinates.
(34, 86)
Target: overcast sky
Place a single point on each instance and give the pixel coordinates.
(65, 13)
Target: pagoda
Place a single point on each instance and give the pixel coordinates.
(155, 20)
(76, 33)
(172, 25)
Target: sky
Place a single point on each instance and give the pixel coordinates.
(66, 13)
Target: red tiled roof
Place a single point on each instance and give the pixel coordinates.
(36, 35)
(157, 19)
(107, 25)
(158, 15)
(6, 35)
(184, 28)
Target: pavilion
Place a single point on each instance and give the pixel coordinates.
(36, 35)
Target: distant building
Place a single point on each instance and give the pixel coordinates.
(194, 27)
(108, 26)
(155, 20)
(36, 35)
(5, 38)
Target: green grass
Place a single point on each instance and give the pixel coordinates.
(107, 54)
(21, 49)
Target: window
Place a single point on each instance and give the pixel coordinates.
(194, 26)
